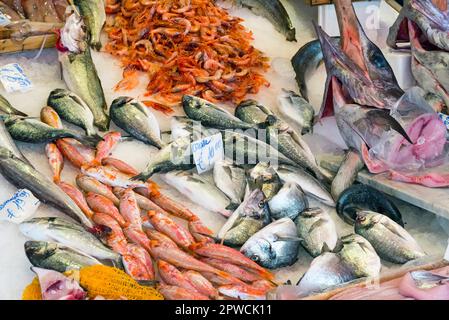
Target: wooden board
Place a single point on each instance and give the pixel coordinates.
(435, 200)
(30, 43)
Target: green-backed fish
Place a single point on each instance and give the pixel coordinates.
(94, 16)
(136, 119)
(7, 108)
(35, 131)
(264, 177)
(71, 108)
(48, 255)
(297, 111)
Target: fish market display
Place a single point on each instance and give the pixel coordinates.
(361, 196)
(72, 109)
(288, 202)
(94, 16)
(56, 257)
(297, 110)
(226, 70)
(275, 12)
(7, 108)
(135, 118)
(390, 240)
(274, 246)
(251, 216)
(317, 231)
(230, 179)
(78, 69)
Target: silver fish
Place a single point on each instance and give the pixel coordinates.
(311, 186)
(185, 127)
(48, 255)
(230, 179)
(297, 111)
(68, 234)
(23, 175)
(326, 271)
(7, 142)
(264, 177)
(359, 255)
(275, 246)
(7, 108)
(389, 239)
(135, 118)
(289, 202)
(251, 216)
(317, 231)
(94, 15)
(199, 191)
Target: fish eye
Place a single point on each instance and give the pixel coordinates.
(255, 258)
(261, 204)
(377, 59)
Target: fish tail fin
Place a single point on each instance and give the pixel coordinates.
(143, 176)
(91, 141)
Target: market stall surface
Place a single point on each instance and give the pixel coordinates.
(44, 72)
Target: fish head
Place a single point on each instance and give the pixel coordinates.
(359, 66)
(365, 219)
(121, 102)
(39, 250)
(256, 206)
(260, 251)
(251, 111)
(35, 228)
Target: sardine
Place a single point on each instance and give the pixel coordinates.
(325, 271)
(297, 110)
(68, 234)
(135, 118)
(317, 231)
(275, 12)
(251, 216)
(80, 76)
(199, 191)
(275, 246)
(94, 15)
(71, 108)
(210, 115)
(311, 186)
(174, 156)
(359, 255)
(230, 179)
(48, 255)
(34, 131)
(7, 108)
(392, 242)
(289, 202)
(264, 177)
(23, 175)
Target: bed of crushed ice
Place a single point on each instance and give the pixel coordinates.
(430, 231)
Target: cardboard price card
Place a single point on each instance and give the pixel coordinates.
(19, 207)
(207, 151)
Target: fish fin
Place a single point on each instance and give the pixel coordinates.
(325, 248)
(317, 224)
(288, 239)
(143, 176)
(232, 206)
(91, 141)
(393, 230)
(148, 283)
(383, 118)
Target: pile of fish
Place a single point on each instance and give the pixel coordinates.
(51, 11)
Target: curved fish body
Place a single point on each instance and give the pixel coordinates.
(275, 246)
(289, 202)
(23, 175)
(360, 256)
(310, 185)
(251, 216)
(80, 76)
(389, 239)
(275, 12)
(230, 179)
(317, 231)
(199, 191)
(136, 119)
(68, 234)
(307, 60)
(326, 271)
(48, 255)
(210, 115)
(71, 108)
(7, 108)
(297, 111)
(94, 16)
(174, 156)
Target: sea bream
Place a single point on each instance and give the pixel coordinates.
(407, 134)
(425, 25)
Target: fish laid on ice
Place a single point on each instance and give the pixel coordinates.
(135, 118)
(7, 108)
(275, 246)
(94, 15)
(297, 110)
(347, 173)
(112, 177)
(88, 184)
(199, 191)
(230, 179)
(264, 177)
(317, 231)
(251, 216)
(389, 239)
(289, 202)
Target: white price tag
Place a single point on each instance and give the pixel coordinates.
(207, 151)
(14, 79)
(22, 205)
(4, 20)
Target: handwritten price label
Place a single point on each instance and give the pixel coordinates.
(207, 151)
(19, 207)
(14, 79)
(4, 20)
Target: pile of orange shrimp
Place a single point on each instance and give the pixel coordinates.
(185, 47)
